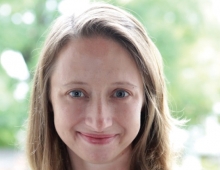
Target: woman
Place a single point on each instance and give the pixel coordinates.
(99, 97)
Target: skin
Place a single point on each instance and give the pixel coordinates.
(97, 96)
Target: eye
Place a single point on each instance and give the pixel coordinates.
(120, 94)
(76, 93)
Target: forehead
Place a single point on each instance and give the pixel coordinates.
(97, 55)
(94, 47)
(97, 46)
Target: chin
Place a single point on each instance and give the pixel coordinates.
(98, 158)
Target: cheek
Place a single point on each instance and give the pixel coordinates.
(66, 115)
(130, 116)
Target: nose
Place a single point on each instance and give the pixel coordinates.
(98, 116)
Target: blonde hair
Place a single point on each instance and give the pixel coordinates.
(151, 147)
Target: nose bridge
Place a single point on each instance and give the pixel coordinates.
(98, 115)
(98, 105)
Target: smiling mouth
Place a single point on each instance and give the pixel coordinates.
(99, 139)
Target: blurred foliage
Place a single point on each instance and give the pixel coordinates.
(186, 33)
(210, 164)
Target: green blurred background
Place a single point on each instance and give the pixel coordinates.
(187, 34)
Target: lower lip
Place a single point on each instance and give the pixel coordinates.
(97, 140)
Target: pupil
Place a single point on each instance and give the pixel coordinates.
(77, 93)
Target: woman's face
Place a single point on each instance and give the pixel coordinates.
(97, 96)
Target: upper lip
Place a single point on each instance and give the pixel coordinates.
(98, 136)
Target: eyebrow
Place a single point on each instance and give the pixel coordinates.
(75, 82)
(115, 83)
(124, 83)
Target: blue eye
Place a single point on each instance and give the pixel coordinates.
(120, 94)
(76, 93)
